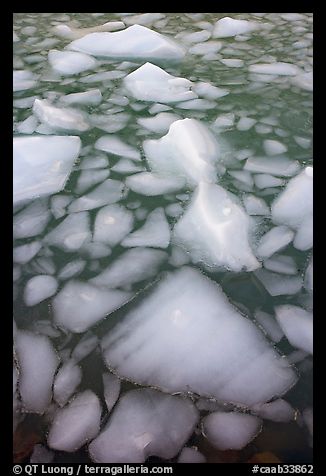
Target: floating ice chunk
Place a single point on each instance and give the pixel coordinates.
(132, 266)
(79, 305)
(66, 381)
(24, 253)
(150, 184)
(178, 257)
(76, 424)
(39, 288)
(113, 123)
(160, 123)
(84, 347)
(278, 285)
(96, 250)
(37, 363)
(157, 107)
(93, 97)
(126, 166)
(155, 232)
(279, 410)
(209, 91)
(72, 233)
(68, 62)
(73, 33)
(114, 145)
(41, 455)
(24, 103)
(304, 237)
(189, 150)
(274, 240)
(59, 204)
(110, 191)
(196, 36)
(94, 163)
(269, 325)
(210, 47)
(226, 27)
(215, 230)
(190, 455)
(134, 42)
(231, 430)
(308, 278)
(266, 180)
(277, 165)
(281, 264)
(72, 269)
(224, 121)
(143, 18)
(304, 81)
(232, 62)
(303, 142)
(112, 224)
(295, 204)
(139, 428)
(174, 210)
(66, 119)
(197, 104)
(242, 176)
(292, 16)
(279, 68)
(297, 325)
(274, 147)
(23, 80)
(111, 385)
(90, 177)
(245, 123)
(151, 83)
(27, 126)
(42, 165)
(255, 205)
(233, 361)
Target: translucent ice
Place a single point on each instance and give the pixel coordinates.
(42, 165)
(38, 362)
(215, 230)
(279, 410)
(153, 345)
(274, 240)
(24, 253)
(134, 42)
(72, 233)
(231, 430)
(66, 381)
(189, 150)
(155, 232)
(147, 183)
(116, 146)
(151, 83)
(110, 191)
(112, 224)
(69, 62)
(132, 266)
(76, 423)
(80, 305)
(145, 422)
(297, 325)
(66, 119)
(111, 385)
(277, 165)
(91, 97)
(39, 288)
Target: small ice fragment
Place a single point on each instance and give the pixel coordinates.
(24, 253)
(278, 285)
(274, 147)
(227, 27)
(297, 325)
(116, 146)
(231, 430)
(112, 224)
(62, 119)
(74, 268)
(110, 191)
(190, 455)
(266, 180)
(72, 233)
(39, 288)
(274, 240)
(66, 381)
(269, 325)
(147, 183)
(111, 385)
(69, 62)
(155, 232)
(281, 264)
(255, 205)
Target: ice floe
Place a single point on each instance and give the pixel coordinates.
(66, 381)
(151, 83)
(189, 150)
(155, 232)
(134, 42)
(42, 165)
(66, 119)
(112, 224)
(147, 183)
(72, 233)
(185, 311)
(138, 428)
(297, 325)
(215, 230)
(80, 305)
(110, 191)
(39, 288)
(70, 62)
